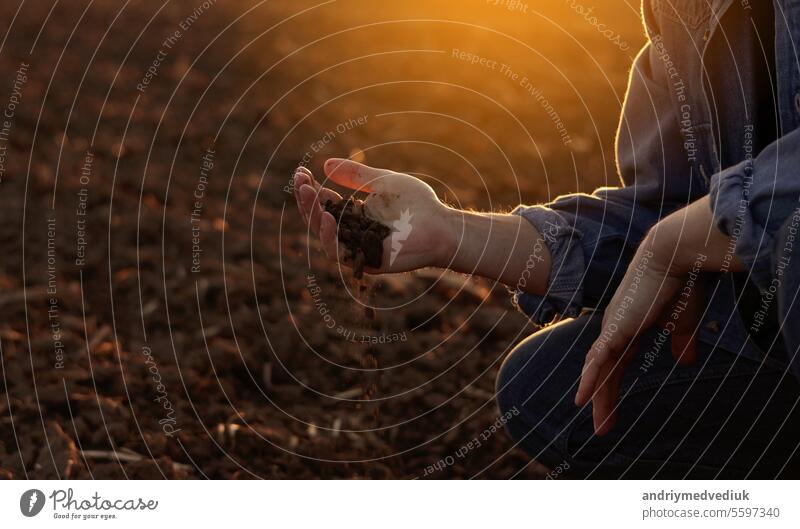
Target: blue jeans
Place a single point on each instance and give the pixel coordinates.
(726, 416)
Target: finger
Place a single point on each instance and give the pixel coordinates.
(355, 175)
(298, 180)
(310, 207)
(313, 204)
(329, 240)
(307, 200)
(302, 175)
(322, 197)
(305, 170)
(603, 399)
(613, 386)
(613, 402)
(588, 381)
(590, 372)
(683, 342)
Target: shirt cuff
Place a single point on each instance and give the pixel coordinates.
(564, 294)
(730, 203)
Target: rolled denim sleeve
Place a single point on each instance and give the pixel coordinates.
(564, 293)
(592, 237)
(752, 199)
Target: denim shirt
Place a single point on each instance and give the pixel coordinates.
(668, 156)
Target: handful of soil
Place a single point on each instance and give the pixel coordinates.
(361, 236)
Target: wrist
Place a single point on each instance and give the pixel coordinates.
(451, 224)
(667, 250)
(496, 246)
(688, 238)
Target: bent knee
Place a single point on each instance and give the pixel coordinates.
(538, 379)
(546, 362)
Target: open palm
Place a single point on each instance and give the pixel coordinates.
(420, 234)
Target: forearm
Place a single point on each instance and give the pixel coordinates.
(506, 248)
(689, 237)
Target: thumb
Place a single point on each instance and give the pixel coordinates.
(356, 176)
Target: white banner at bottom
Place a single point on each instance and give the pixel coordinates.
(354, 504)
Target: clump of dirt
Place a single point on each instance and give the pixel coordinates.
(362, 236)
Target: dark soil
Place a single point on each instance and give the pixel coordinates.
(361, 236)
(146, 332)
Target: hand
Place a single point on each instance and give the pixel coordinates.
(422, 229)
(661, 286)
